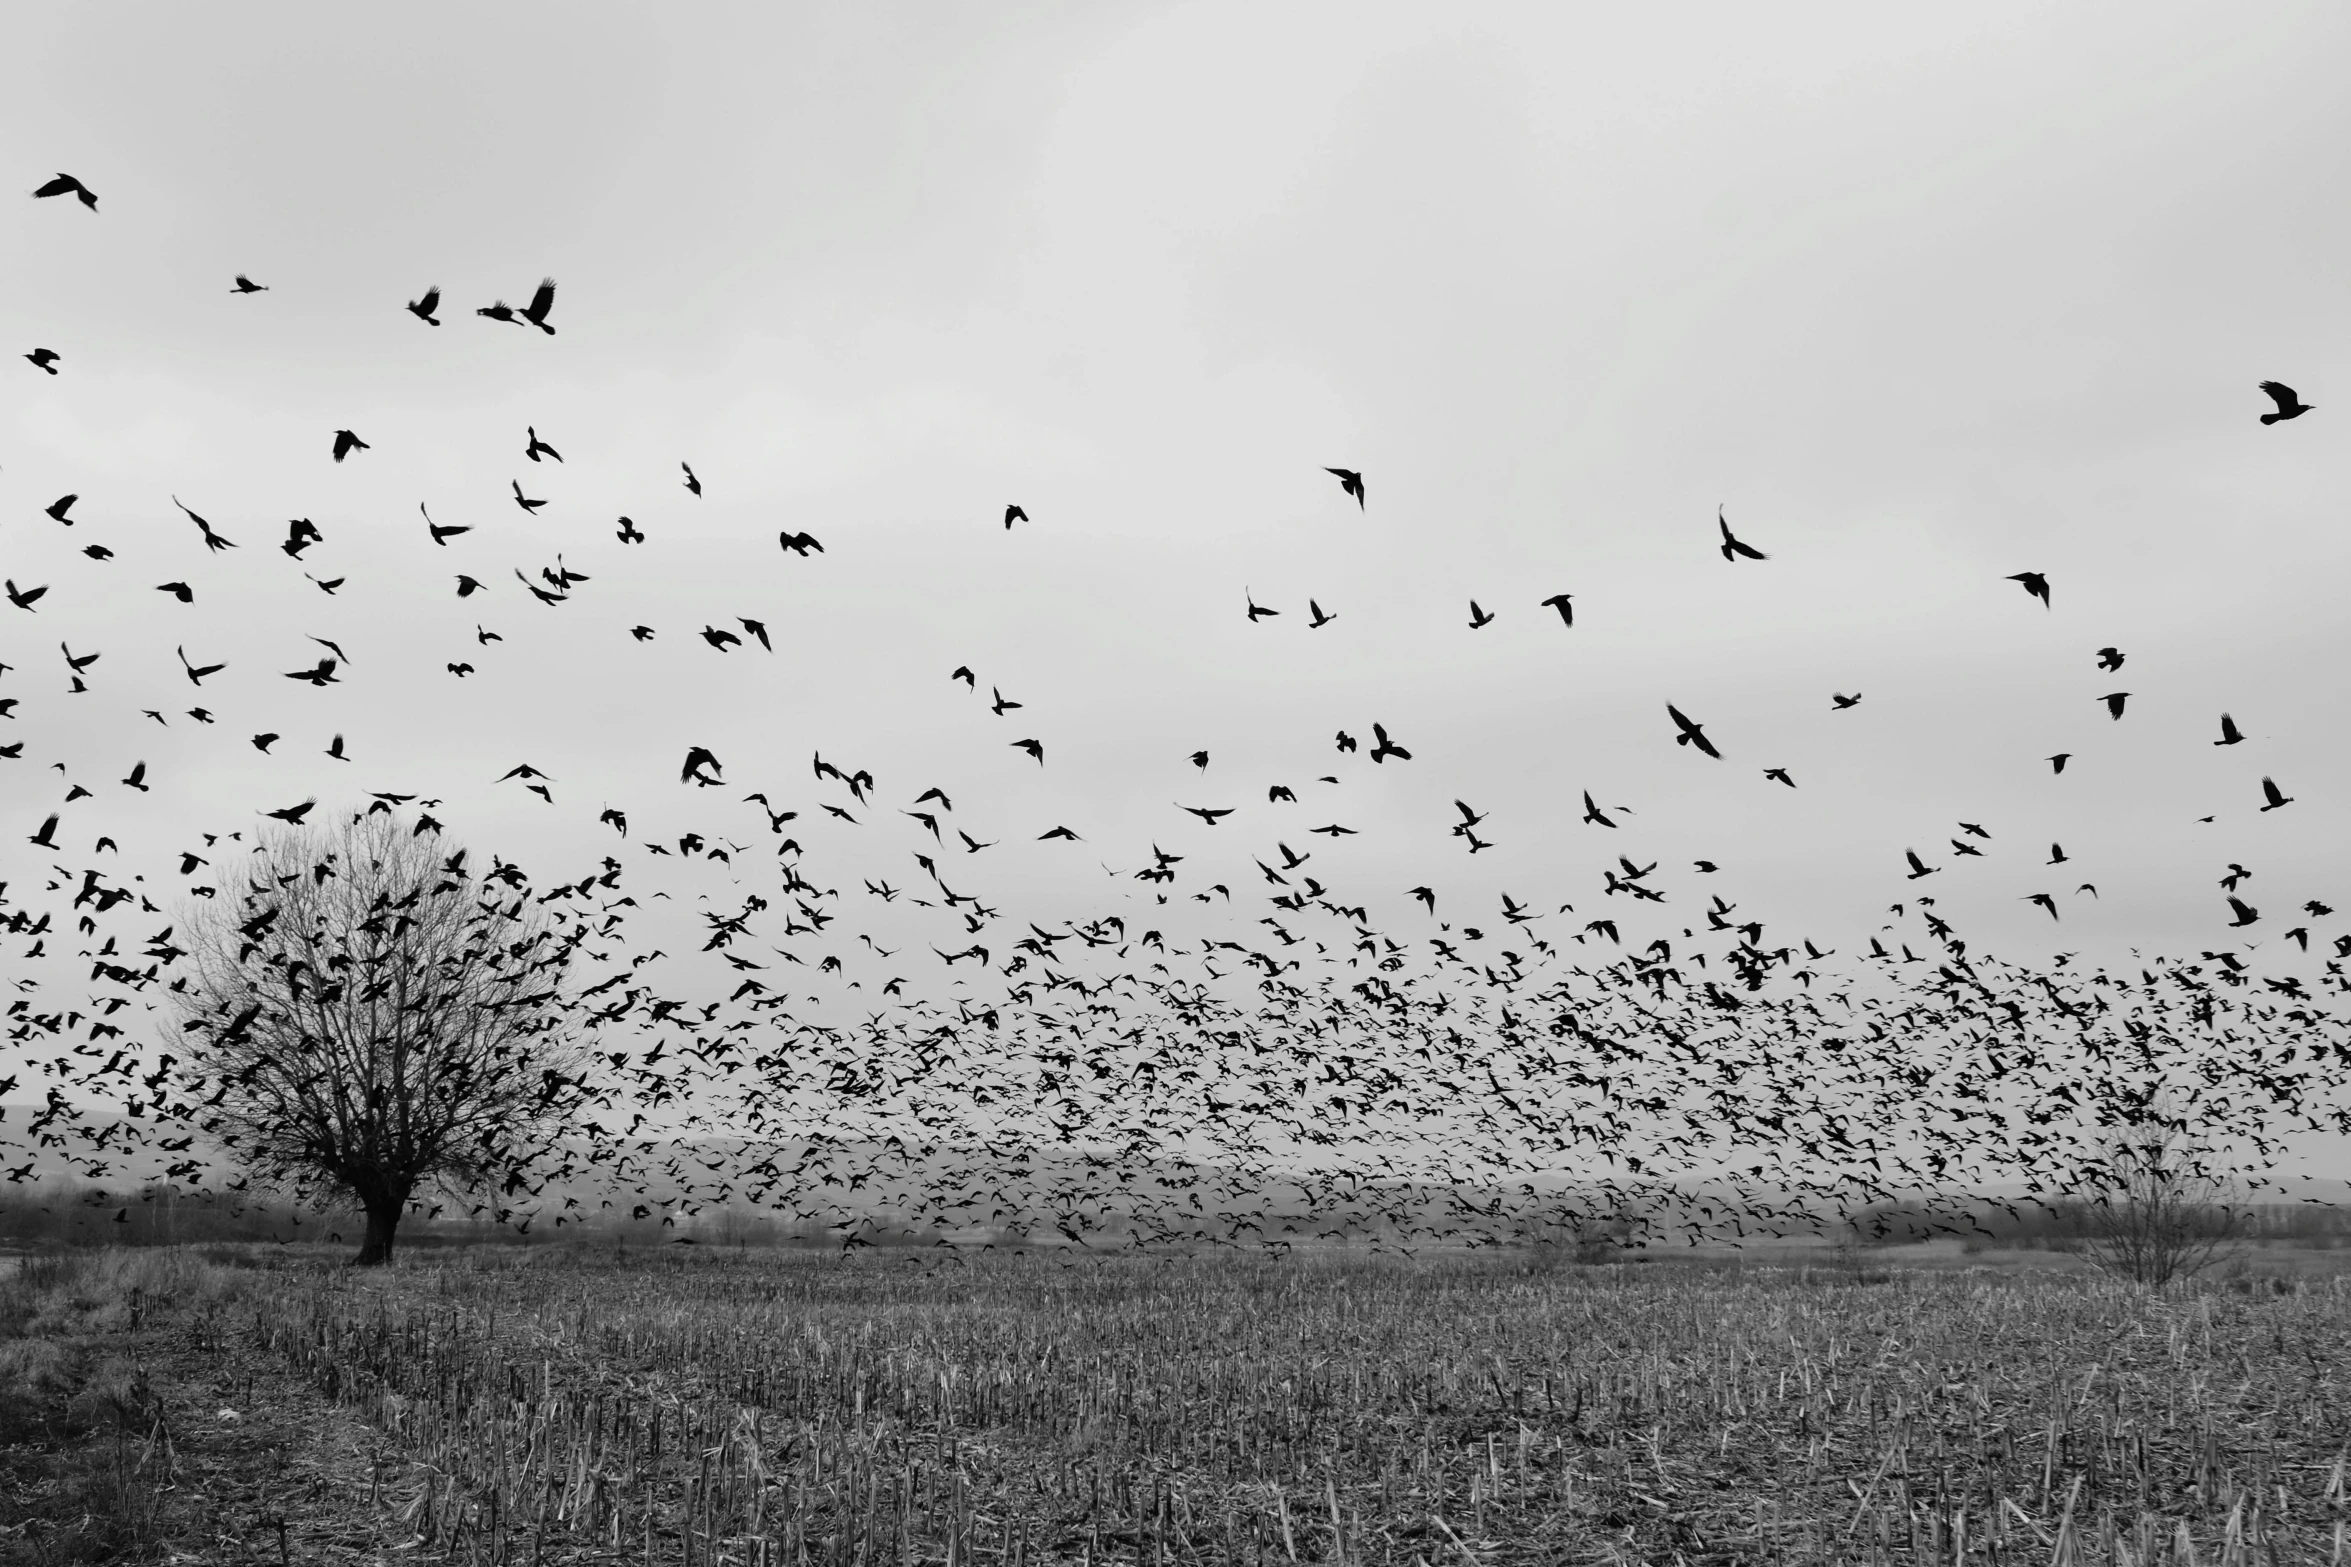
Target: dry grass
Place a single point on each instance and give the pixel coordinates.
(779, 1408)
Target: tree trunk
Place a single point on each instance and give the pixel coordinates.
(383, 1218)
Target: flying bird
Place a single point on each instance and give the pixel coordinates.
(423, 308)
(1385, 748)
(2114, 701)
(442, 536)
(2229, 734)
(2110, 659)
(799, 543)
(1691, 734)
(1733, 548)
(1839, 701)
(212, 541)
(2290, 406)
(1561, 602)
(58, 508)
(538, 448)
(2035, 584)
(1780, 775)
(2045, 901)
(1478, 618)
(22, 598)
(1320, 619)
(692, 483)
(1035, 748)
(1918, 867)
(701, 767)
(2271, 793)
(1593, 813)
(292, 815)
(1013, 514)
(2245, 913)
(2057, 762)
(178, 590)
(245, 285)
(1350, 483)
(346, 443)
(67, 185)
(1257, 611)
(44, 359)
(524, 501)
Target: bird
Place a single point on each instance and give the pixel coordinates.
(44, 359)
(321, 675)
(467, 586)
(497, 310)
(2057, 762)
(1732, 548)
(22, 598)
(46, 838)
(692, 483)
(538, 448)
(301, 533)
(178, 590)
(1013, 514)
(2271, 793)
(212, 541)
(346, 443)
(1200, 760)
(1427, 897)
(67, 185)
(197, 672)
(1035, 748)
(442, 536)
(2035, 584)
(2245, 913)
(799, 543)
(629, 532)
(701, 767)
(1209, 814)
(1059, 832)
(1918, 867)
(335, 749)
(524, 501)
(999, 704)
(1385, 748)
(1320, 619)
(2057, 854)
(1691, 734)
(2110, 659)
(1350, 483)
(1593, 813)
(2290, 406)
(262, 743)
(2229, 734)
(1839, 701)
(1562, 603)
(1478, 618)
(58, 508)
(245, 285)
(1257, 611)
(757, 629)
(2114, 701)
(423, 308)
(292, 815)
(1779, 774)
(2045, 901)
(722, 640)
(542, 301)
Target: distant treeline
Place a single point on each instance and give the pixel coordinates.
(2064, 1223)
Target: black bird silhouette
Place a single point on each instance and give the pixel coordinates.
(212, 541)
(2057, 762)
(2045, 901)
(327, 587)
(1257, 611)
(2229, 734)
(322, 674)
(346, 443)
(197, 672)
(262, 743)
(1561, 602)
(423, 308)
(58, 508)
(963, 673)
(1918, 867)
(538, 448)
(1350, 483)
(1320, 619)
(498, 310)
(1035, 748)
(22, 598)
(46, 838)
(1385, 748)
(2289, 405)
(1209, 814)
(1691, 734)
(44, 359)
(1000, 704)
(1593, 813)
(757, 629)
(1840, 701)
(524, 501)
(799, 543)
(1478, 618)
(2245, 913)
(442, 536)
(467, 586)
(301, 533)
(292, 815)
(2110, 659)
(1779, 775)
(2271, 793)
(722, 640)
(1732, 548)
(701, 767)
(2114, 701)
(245, 285)
(692, 483)
(67, 185)
(178, 590)
(1200, 760)
(2035, 584)
(1013, 514)
(1059, 832)
(629, 533)
(542, 301)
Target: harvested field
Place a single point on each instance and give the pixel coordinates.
(510, 1406)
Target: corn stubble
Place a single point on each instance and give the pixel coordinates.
(784, 1409)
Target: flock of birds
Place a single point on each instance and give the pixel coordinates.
(1162, 1067)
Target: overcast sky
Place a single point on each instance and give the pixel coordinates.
(1923, 297)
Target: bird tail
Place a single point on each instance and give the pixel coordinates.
(2271, 418)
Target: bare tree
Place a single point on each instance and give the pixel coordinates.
(2153, 1210)
(368, 1017)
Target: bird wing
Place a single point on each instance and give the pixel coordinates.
(542, 301)
(2281, 394)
